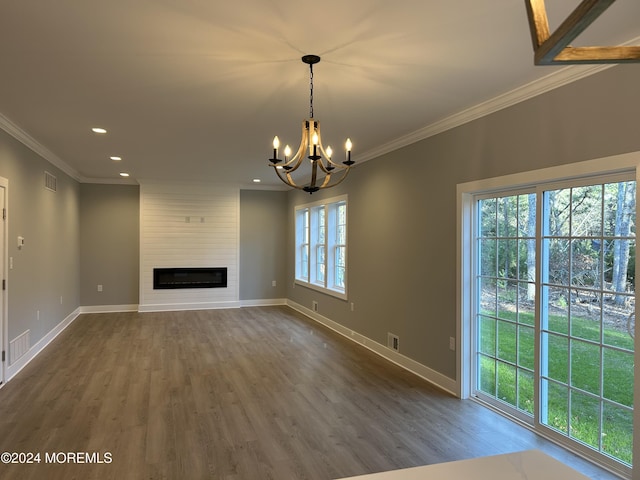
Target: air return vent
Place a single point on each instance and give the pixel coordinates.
(393, 341)
(50, 182)
(19, 346)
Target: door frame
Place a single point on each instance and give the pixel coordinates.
(4, 270)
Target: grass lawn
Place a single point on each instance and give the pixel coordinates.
(570, 380)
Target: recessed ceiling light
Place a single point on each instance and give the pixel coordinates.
(124, 174)
(116, 159)
(256, 180)
(98, 130)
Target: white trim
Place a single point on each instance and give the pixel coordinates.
(609, 165)
(109, 308)
(557, 79)
(464, 239)
(320, 288)
(110, 181)
(4, 318)
(267, 302)
(13, 369)
(28, 141)
(176, 307)
(435, 378)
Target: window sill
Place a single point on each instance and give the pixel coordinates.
(334, 293)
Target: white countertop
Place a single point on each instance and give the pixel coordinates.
(526, 465)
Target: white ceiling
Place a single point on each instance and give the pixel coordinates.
(196, 90)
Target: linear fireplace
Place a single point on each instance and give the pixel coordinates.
(185, 277)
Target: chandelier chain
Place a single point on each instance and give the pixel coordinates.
(310, 91)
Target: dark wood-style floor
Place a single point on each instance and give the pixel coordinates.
(242, 394)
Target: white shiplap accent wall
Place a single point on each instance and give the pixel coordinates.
(188, 225)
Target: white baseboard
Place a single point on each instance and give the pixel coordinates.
(13, 369)
(176, 307)
(435, 378)
(108, 308)
(263, 303)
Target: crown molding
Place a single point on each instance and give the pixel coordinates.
(525, 92)
(28, 141)
(109, 181)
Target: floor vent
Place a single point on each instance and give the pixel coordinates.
(393, 341)
(50, 182)
(19, 346)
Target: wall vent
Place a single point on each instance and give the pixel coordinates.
(393, 341)
(19, 346)
(50, 182)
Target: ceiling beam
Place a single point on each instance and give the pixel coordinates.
(553, 48)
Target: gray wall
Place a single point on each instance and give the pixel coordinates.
(263, 244)
(402, 206)
(47, 267)
(109, 244)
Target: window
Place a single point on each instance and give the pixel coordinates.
(302, 245)
(547, 322)
(321, 245)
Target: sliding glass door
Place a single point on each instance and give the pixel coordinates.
(554, 310)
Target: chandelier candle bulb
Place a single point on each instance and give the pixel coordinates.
(276, 145)
(314, 141)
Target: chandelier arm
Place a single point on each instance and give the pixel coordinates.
(338, 182)
(324, 168)
(280, 175)
(287, 181)
(330, 162)
(292, 183)
(324, 153)
(327, 179)
(296, 160)
(333, 168)
(333, 164)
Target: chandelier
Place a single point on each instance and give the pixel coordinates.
(325, 172)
